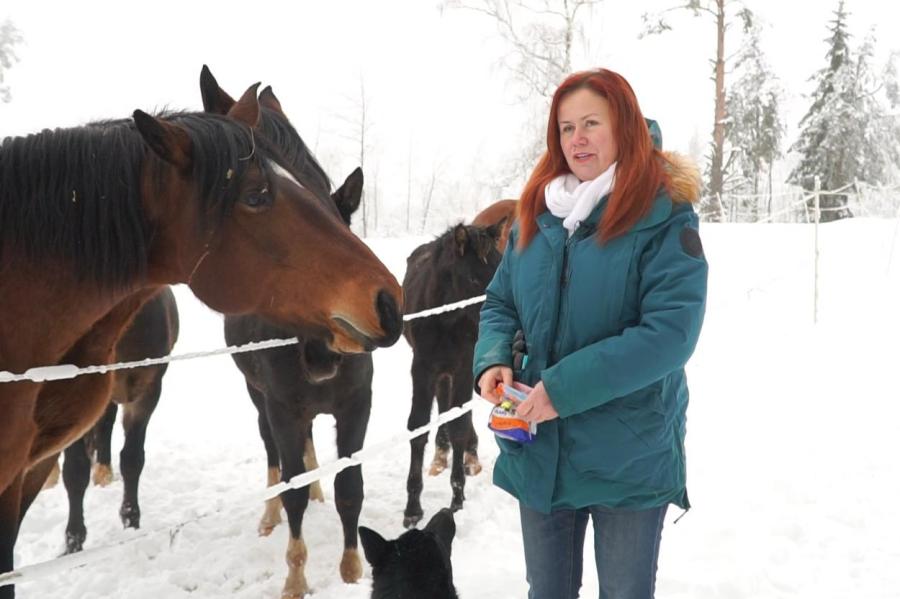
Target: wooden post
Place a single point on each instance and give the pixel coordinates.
(818, 187)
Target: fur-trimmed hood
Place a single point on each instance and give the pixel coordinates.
(684, 178)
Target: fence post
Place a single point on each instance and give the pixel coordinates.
(818, 187)
(721, 208)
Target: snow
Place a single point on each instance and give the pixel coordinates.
(791, 452)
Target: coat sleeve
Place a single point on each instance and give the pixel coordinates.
(499, 319)
(672, 292)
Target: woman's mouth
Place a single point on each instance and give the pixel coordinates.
(582, 156)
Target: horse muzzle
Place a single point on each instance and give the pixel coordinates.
(350, 337)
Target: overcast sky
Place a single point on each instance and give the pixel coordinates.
(431, 79)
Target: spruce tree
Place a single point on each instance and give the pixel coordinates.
(754, 129)
(847, 134)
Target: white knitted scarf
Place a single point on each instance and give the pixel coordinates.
(573, 200)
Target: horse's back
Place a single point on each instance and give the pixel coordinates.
(495, 213)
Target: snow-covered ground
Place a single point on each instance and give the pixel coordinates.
(792, 446)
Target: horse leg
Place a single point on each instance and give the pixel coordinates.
(441, 450)
(289, 435)
(312, 462)
(52, 476)
(18, 428)
(463, 382)
(103, 430)
(35, 480)
(136, 417)
(76, 475)
(10, 506)
(352, 422)
(423, 380)
(272, 515)
(460, 431)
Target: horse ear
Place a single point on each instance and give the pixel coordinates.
(461, 237)
(348, 195)
(268, 100)
(496, 229)
(246, 110)
(168, 141)
(215, 100)
(374, 545)
(443, 527)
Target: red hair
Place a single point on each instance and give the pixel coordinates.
(639, 172)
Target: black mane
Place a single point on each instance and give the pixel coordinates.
(75, 194)
(281, 134)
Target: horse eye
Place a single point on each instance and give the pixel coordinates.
(257, 200)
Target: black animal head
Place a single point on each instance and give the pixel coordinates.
(416, 565)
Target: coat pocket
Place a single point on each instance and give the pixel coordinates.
(626, 441)
(509, 447)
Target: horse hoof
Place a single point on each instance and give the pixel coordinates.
(265, 530)
(410, 521)
(351, 566)
(103, 475)
(74, 543)
(131, 516)
(472, 465)
(456, 505)
(439, 463)
(315, 492)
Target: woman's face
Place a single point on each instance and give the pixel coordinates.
(585, 133)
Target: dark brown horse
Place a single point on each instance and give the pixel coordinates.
(152, 334)
(501, 211)
(94, 219)
(291, 385)
(457, 265)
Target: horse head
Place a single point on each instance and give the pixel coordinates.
(275, 248)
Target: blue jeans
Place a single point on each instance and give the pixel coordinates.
(626, 548)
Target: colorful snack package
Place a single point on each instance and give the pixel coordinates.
(504, 421)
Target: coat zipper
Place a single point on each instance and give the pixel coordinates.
(563, 282)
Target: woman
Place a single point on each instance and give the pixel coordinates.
(605, 275)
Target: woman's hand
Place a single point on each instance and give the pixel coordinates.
(537, 407)
(489, 380)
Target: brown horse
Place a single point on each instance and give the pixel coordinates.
(501, 211)
(457, 265)
(94, 219)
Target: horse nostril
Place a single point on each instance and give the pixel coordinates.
(391, 319)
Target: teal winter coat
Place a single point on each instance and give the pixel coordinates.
(608, 329)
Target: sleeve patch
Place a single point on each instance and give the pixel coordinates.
(690, 242)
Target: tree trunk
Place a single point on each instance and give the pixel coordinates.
(716, 177)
